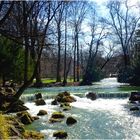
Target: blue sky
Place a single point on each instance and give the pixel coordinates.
(101, 2)
(102, 10)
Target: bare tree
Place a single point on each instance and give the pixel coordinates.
(78, 11)
(98, 33)
(59, 20)
(124, 22)
(65, 50)
(109, 54)
(51, 9)
(5, 10)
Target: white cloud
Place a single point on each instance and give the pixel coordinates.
(102, 2)
(133, 2)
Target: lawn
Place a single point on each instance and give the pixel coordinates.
(51, 80)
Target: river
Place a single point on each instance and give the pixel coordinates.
(108, 117)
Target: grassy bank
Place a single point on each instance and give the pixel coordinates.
(3, 127)
(52, 80)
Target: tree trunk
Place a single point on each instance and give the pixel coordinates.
(87, 77)
(105, 63)
(82, 61)
(74, 65)
(68, 69)
(126, 60)
(38, 76)
(58, 77)
(26, 55)
(26, 64)
(78, 66)
(65, 52)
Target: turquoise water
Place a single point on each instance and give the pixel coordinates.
(107, 85)
(104, 118)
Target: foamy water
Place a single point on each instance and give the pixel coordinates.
(108, 117)
(99, 119)
(115, 105)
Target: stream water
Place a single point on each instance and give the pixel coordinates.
(108, 117)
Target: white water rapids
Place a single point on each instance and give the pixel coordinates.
(100, 119)
(108, 117)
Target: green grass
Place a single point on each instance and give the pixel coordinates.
(51, 80)
(47, 80)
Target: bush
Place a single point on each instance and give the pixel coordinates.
(125, 74)
(92, 75)
(130, 75)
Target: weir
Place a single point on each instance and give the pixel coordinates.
(106, 88)
(113, 95)
(31, 97)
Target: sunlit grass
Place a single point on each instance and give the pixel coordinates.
(47, 80)
(53, 80)
(3, 128)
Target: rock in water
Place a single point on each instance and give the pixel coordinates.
(66, 108)
(91, 96)
(42, 112)
(54, 102)
(68, 99)
(57, 115)
(64, 97)
(53, 120)
(65, 93)
(38, 96)
(135, 96)
(60, 134)
(40, 102)
(134, 108)
(65, 105)
(71, 121)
